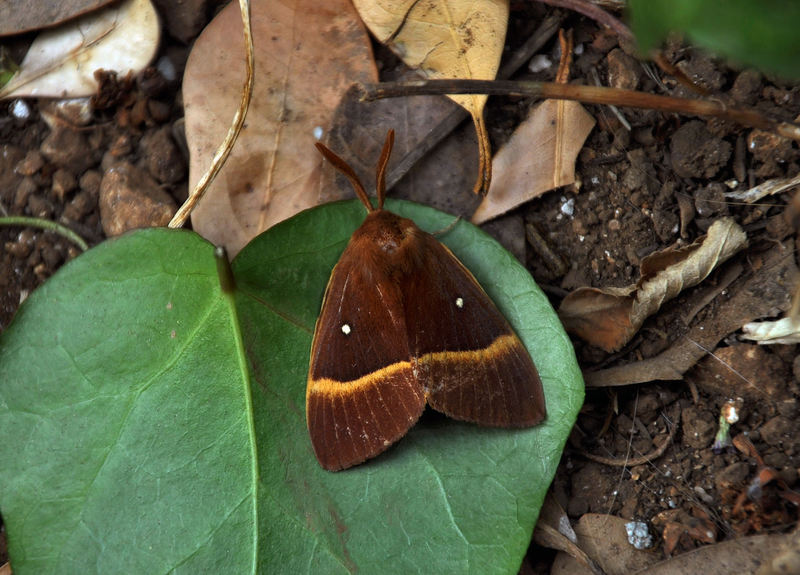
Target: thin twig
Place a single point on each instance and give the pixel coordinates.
(439, 132)
(585, 94)
(626, 462)
(595, 13)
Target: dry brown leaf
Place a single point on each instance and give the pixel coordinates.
(446, 39)
(743, 555)
(539, 156)
(419, 168)
(18, 16)
(307, 55)
(61, 62)
(604, 539)
(439, 178)
(609, 317)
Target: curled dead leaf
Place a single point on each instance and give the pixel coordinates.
(749, 296)
(600, 316)
(608, 317)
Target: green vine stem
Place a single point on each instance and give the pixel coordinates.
(45, 225)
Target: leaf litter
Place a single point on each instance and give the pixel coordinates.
(273, 171)
(541, 153)
(446, 39)
(625, 211)
(609, 317)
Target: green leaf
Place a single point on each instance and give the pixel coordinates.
(7, 66)
(143, 433)
(124, 416)
(761, 34)
(450, 497)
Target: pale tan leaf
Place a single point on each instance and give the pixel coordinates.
(783, 559)
(786, 331)
(446, 39)
(539, 156)
(609, 317)
(307, 54)
(61, 62)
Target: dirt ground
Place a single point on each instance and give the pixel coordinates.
(658, 183)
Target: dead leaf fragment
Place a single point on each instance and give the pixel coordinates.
(273, 170)
(744, 555)
(553, 530)
(61, 62)
(439, 177)
(542, 151)
(767, 188)
(18, 16)
(786, 330)
(539, 156)
(608, 317)
(446, 39)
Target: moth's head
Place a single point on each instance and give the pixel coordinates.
(387, 232)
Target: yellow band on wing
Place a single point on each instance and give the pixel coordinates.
(328, 386)
(331, 387)
(498, 347)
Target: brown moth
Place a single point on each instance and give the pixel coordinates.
(405, 324)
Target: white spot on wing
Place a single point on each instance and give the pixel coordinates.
(345, 329)
(459, 302)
